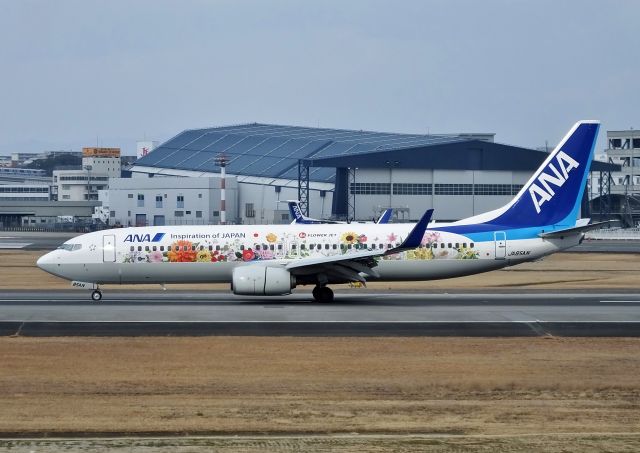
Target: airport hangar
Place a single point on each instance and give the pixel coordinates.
(346, 174)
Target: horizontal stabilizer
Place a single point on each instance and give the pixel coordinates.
(577, 229)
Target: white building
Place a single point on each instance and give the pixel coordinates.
(142, 201)
(623, 148)
(98, 165)
(24, 192)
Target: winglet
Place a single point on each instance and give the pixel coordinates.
(414, 238)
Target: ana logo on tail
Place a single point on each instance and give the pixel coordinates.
(540, 195)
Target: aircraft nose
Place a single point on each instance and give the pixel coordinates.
(46, 262)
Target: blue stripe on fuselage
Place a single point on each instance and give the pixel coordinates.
(485, 232)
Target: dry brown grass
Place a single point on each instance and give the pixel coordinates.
(559, 271)
(236, 384)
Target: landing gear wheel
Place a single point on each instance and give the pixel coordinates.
(96, 296)
(323, 294)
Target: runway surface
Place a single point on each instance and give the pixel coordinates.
(359, 314)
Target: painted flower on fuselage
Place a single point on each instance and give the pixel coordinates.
(430, 237)
(271, 237)
(203, 256)
(155, 257)
(181, 252)
(349, 237)
(265, 254)
(216, 256)
(248, 255)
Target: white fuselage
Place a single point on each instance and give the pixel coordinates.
(199, 254)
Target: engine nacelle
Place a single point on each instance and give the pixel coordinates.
(255, 280)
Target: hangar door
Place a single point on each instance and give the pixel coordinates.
(109, 248)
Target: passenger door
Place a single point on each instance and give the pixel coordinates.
(500, 238)
(109, 248)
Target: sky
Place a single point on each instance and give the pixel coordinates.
(77, 73)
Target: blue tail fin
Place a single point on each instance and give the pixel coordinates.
(296, 214)
(553, 194)
(386, 216)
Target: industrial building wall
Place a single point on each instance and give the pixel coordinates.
(265, 204)
(169, 201)
(453, 194)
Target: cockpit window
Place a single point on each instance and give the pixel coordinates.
(70, 247)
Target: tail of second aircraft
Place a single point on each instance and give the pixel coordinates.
(551, 198)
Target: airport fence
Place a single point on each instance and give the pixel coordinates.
(622, 234)
(67, 227)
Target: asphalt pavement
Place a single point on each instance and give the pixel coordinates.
(123, 313)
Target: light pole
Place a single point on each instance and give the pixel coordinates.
(88, 168)
(221, 161)
(391, 164)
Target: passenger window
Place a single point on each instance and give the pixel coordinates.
(202, 247)
(211, 248)
(132, 248)
(193, 248)
(342, 246)
(471, 245)
(326, 246)
(279, 246)
(293, 247)
(242, 247)
(335, 246)
(449, 245)
(442, 245)
(272, 247)
(217, 247)
(139, 248)
(257, 246)
(349, 246)
(154, 248)
(302, 247)
(162, 248)
(146, 248)
(457, 245)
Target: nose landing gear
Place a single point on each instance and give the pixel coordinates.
(96, 295)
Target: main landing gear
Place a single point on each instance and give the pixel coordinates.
(322, 294)
(96, 295)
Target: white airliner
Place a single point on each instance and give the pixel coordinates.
(273, 259)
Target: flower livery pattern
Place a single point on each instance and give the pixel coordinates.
(272, 247)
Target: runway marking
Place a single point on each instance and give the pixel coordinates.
(620, 301)
(14, 245)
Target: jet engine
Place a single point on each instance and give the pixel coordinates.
(262, 281)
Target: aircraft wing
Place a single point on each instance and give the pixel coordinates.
(350, 265)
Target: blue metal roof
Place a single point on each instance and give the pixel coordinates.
(273, 151)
